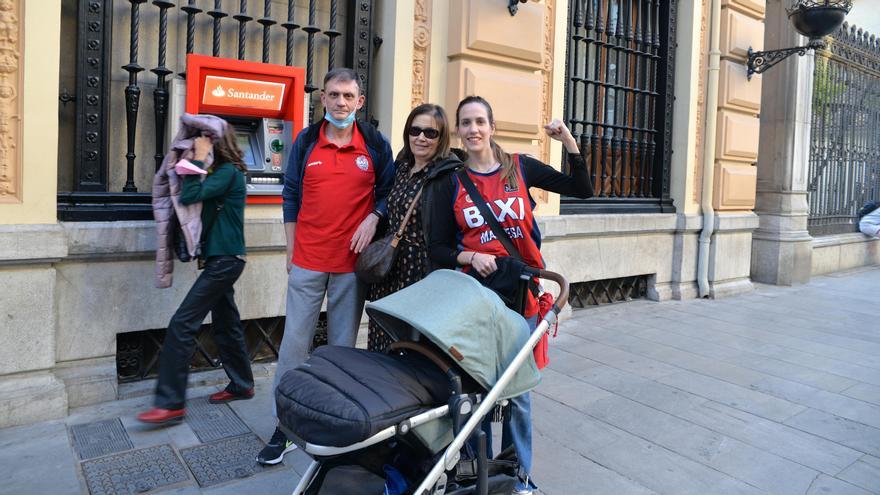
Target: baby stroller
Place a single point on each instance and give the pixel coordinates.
(401, 420)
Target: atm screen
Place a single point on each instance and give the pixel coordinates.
(246, 143)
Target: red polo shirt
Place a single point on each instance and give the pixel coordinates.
(337, 194)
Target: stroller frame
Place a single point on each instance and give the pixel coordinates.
(435, 482)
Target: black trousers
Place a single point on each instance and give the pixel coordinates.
(212, 292)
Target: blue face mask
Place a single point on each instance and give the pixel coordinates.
(339, 124)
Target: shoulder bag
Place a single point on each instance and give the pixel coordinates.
(374, 263)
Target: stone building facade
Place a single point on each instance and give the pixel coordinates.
(736, 156)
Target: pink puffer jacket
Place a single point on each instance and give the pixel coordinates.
(167, 187)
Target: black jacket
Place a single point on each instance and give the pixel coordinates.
(435, 180)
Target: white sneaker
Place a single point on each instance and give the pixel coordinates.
(524, 491)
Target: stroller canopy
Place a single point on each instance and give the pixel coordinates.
(467, 321)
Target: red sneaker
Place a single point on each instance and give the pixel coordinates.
(225, 396)
(160, 416)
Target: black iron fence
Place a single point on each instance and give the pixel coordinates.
(120, 58)
(619, 101)
(844, 170)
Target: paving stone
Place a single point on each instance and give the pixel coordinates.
(224, 460)
(213, 421)
(864, 473)
(617, 358)
(275, 481)
(99, 438)
(864, 392)
(826, 485)
(567, 472)
(734, 396)
(783, 441)
(752, 354)
(134, 472)
(727, 455)
(37, 459)
(843, 431)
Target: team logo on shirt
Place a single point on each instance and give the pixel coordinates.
(362, 163)
(508, 188)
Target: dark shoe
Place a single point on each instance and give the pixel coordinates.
(274, 452)
(226, 396)
(158, 416)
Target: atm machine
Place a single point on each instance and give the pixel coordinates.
(264, 102)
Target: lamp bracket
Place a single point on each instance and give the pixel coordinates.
(761, 61)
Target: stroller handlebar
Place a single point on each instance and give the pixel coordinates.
(560, 280)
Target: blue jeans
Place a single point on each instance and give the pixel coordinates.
(516, 429)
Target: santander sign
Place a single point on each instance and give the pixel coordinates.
(243, 93)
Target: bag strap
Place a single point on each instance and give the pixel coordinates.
(221, 203)
(488, 216)
(412, 206)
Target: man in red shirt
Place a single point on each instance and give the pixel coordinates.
(338, 176)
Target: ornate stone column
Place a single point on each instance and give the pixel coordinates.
(782, 247)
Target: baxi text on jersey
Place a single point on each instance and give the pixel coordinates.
(503, 209)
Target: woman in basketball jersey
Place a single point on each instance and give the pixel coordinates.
(460, 238)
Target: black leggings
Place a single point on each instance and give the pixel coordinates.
(212, 292)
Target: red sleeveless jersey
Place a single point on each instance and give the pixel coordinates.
(512, 208)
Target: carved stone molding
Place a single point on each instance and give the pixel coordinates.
(10, 101)
(701, 102)
(547, 85)
(421, 51)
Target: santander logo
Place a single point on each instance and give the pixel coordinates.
(243, 93)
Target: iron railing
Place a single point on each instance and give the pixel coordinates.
(844, 170)
(105, 123)
(618, 101)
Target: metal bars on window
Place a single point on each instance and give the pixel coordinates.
(844, 171)
(619, 100)
(219, 27)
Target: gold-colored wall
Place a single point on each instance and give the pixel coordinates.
(739, 103)
(29, 110)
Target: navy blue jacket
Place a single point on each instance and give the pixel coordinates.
(377, 146)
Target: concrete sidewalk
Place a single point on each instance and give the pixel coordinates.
(777, 392)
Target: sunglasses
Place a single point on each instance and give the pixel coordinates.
(429, 132)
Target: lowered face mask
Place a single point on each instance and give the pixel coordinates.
(339, 124)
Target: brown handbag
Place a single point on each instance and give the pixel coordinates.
(374, 263)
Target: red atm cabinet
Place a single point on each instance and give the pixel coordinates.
(266, 105)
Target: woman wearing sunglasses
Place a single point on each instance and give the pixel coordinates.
(423, 161)
(461, 238)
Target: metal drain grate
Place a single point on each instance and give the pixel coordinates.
(100, 438)
(224, 460)
(608, 291)
(134, 472)
(213, 421)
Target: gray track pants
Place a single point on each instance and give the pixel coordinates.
(305, 293)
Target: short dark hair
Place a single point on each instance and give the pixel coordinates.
(344, 74)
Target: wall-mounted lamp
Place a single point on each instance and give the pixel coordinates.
(513, 5)
(814, 19)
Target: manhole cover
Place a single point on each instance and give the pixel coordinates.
(134, 472)
(100, 438)
(224, 460)
(213, 421)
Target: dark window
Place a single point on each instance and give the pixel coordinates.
(118, 58)
(619, 101)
